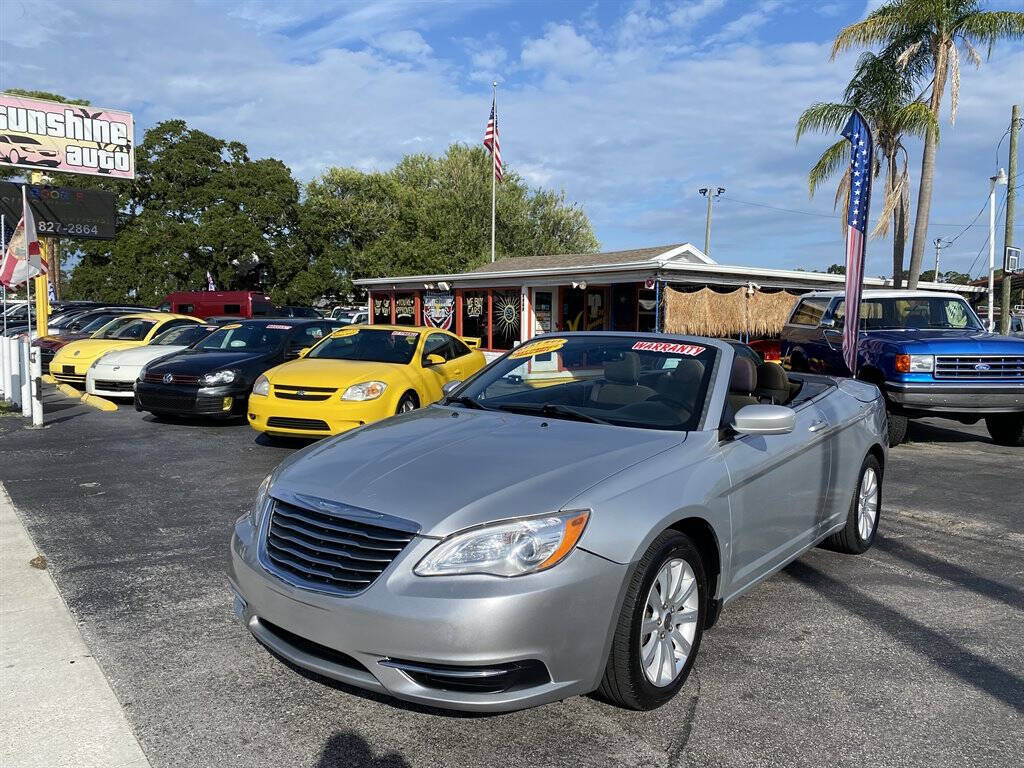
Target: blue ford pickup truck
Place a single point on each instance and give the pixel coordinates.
(928, 352)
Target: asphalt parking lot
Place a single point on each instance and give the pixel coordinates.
(910, 655)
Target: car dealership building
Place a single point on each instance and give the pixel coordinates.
(674, 288)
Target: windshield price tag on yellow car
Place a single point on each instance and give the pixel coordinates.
(343, 332)
(538, 348)
(229, 327)
(404, 333)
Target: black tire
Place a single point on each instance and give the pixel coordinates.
(1006, 428)
(849, 540)
(624, 682)
(897, 428)
(409, 402)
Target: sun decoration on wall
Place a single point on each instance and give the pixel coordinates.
(506, 311)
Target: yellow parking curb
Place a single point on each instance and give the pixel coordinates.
(99, 402)
(68, 390)
(48, 378)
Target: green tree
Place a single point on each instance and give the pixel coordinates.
(432, 215)
(197, 204)
(884, 95)
(929, 34)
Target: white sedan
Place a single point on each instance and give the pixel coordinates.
(114, 374)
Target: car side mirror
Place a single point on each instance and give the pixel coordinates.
(763, 419)
(830, 323)
(430, 360)
(450, 387)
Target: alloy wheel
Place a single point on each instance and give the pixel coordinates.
(669, 622)
(867, 504)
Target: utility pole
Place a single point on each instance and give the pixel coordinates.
(710, 193)
(1011, 198)
(938, 247)
(999, 178)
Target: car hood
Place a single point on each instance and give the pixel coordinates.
(197, 362)
(450, 468)
(313, 372)
(56, 341)
(951, 341)
(140, 355)
(87, 350)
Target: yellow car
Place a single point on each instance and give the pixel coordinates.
(357, 375)
(72, 361)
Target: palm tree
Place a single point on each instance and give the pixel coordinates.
(930, 33)
(884, 95)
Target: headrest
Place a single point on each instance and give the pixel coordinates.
(743, 379)
(624, 371)
(772, 376)
(688, 371)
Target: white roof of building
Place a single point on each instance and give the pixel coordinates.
(891, 293)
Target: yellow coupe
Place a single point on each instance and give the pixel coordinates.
(72, 361)
(357, 375)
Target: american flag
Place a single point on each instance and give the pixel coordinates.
(859, 134)
(492, 143)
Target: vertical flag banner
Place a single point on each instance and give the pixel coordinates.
(861, 159)
(492, 143)
(23, 258)
(209, 282)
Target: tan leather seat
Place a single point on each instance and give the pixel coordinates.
(682, 383)
(622, 382)
(773, 384)
(742, 383)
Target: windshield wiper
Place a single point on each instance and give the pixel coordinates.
(551, 409)
(468, 402)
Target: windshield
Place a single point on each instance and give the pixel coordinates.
(245, 337)
(622, 380)
(912, 313)
(91, 323)
(125, 328)
(183, 335)
(371, 345)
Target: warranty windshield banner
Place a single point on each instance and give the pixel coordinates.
(50, 136)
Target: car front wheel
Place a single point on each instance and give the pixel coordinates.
(407, 403)
(1006, 428)
(660, 626)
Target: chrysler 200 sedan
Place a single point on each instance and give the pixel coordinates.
(571, 519)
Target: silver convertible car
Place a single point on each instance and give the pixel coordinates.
(571, 519)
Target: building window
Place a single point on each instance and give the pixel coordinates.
(504, 319)
(474, 316)
(647, 310)
(405, 309)
(624, 307)
(382, 309)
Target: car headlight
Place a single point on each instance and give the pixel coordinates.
(262, 501)
(262, 386)
(915, 363)
(368, 390)
(507, 549)
(220, 377)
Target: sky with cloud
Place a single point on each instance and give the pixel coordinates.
(629, 107)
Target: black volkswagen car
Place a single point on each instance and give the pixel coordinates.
(214, 377)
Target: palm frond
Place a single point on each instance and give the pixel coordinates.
(830, 161)
(972, 53)
(879, 27)
(824, 117)
(907, 53)
(915, 119)
(954, 83)
(893, 196)
(989, 26)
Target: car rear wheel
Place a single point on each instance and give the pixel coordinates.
(858, 534)
(660, 626)
(1006, 428)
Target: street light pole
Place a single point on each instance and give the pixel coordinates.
(710, 193)
(938, 247)
(999, 178)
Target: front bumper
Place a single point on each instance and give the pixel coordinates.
(104, 381)
(189, 401)
(959, 397)
(68, 372)
(313, 418)
(561, 618)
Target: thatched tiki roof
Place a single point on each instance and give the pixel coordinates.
(705, 312)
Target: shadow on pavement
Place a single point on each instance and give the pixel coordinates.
(957, 660)
(922, 432)
(995, 590)
(349, 750)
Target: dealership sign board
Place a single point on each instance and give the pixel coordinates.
(63, 211)
(49, 136)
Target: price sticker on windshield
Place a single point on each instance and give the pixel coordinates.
(276, 327)
(230, 327)
(541, 347)
(672, 348)
(343, 332)
(404, 333)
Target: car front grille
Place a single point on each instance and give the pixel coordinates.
(329, 550)
(115, 386)
(980, 367)
(285, 422)
(303, 393)
(173, 401)
(176, 378)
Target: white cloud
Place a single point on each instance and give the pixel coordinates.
(406, 42)
(748, 23)
(692, 12)
(561, 50)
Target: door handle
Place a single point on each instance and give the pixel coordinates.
(818, 425)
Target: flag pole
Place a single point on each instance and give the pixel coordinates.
(494, 142)
(28, 283)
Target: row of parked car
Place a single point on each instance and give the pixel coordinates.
(290, 377)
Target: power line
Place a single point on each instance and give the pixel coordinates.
(984, 245)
